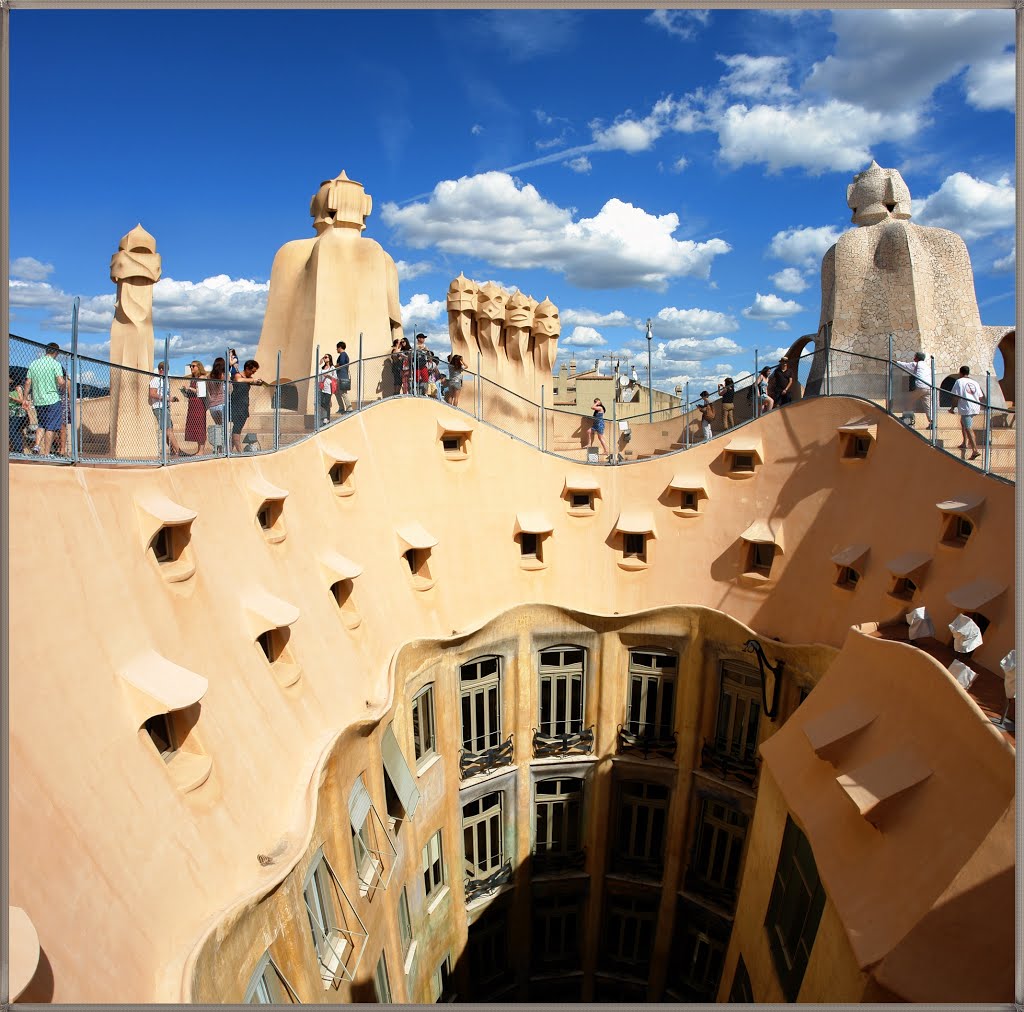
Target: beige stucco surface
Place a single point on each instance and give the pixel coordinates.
(102, 837)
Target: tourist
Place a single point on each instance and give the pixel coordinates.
(405, 350)
(968, 400)
(17, 415)
(456, 367)
(707, 414)
(326, 385)
(919, 384)
(233, 367)
(65, 414)
(217, 391)
(597, 425)
(765, 402)
(240, 400)
(344, 379)
(421, 360)
(783, 378)
(159, 388)
(43, 384)
(392, 368)
(727, 392)
(195, 417)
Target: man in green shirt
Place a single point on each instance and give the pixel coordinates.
(44, 382)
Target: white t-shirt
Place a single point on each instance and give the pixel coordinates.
(970, 396)
(155, 384)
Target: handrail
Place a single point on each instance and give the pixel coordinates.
(300, 411)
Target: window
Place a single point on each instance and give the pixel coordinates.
(557, 922)
(441, 982)
(634, 546)
(330, 944)
(453, 444)
(857, 446)
(957, 531)
(742, 462)
(739, 713)
(848, 577)
(270, 517)
(424, 742)
(640, 840)
(480, 680)
(482, 836)
(582, 500)
(688, 500)
(794, 909)
(904, 588)
(721, 832)
(741, 993)
(160, 729)
(400, 791)
(760, 558)
(162, 545)
(700, 939)
(488, 947)
(651, 702)
(561, 690)
(557, 804)
(433, 866)
(381, 985)
(629, 933)
(368, 839)
(529, 545)
(267, 986)
(404, 921)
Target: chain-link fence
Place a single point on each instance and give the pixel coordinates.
(64, 407)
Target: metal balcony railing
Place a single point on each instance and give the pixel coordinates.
(727, 766)
(658, 744)
(477, 887)
(570, 743)
(548, 862)
(472, 763)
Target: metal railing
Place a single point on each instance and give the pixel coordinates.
(477, 887)
(570, 743)
(661, 745)
(472, 763)
(110, 414)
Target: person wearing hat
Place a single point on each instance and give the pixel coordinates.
(783, 383)
(707, 413)
(919, 384)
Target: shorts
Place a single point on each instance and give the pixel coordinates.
(50, 416)
(238, 422)
(158, 414)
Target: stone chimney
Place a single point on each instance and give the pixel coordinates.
(572, 368)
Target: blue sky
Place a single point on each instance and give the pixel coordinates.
(688, 166)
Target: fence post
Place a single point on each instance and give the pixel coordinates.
(359, 375)
(933, 402)
(316, 391)
(73, 392)
(614, 438)
(540, 435)
(479, 389)
(757, 395)
(988, 421)
(686, 414)
(828, 361)
(225, 409)
(277, 404)
(165, 397)
(888, 379)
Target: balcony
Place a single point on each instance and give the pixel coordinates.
(477, 887)
(643, 867)
(473, 763)
(550, 862)
(657, 745)
(546, 746)
(728, 766)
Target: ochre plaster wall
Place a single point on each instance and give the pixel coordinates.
(100, 836)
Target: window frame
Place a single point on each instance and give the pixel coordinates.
(719, 842)
(424, 744)
(381, 981)
(481, 830)
(563, 808)
(549, 678)
(642, 831)
(745, 683)
(406, 936)
(259, 977)
(798, 896)
(433, 867)
(657, 722)
(480, 699)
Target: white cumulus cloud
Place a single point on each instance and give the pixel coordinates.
(789, 280)
(1006, 263)
(30, 269)
(580, 164)
(591, 318)
(761, 77)
(421, 310)
(408, 271)
(583, 337)
(992, 84)
(971, 207)
(673, 322)
(492, 217)
(696, 349)
(682, 24)
(803, 246)
(771, 307)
